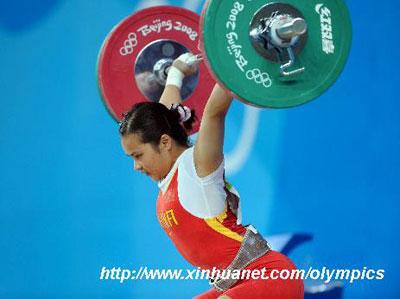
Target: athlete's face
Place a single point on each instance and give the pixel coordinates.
(154, 161)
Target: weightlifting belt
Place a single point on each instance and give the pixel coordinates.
(253, 246)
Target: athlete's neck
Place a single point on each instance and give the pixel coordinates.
(176, 152)
(174, 155)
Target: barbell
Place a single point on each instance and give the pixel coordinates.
(268, 54)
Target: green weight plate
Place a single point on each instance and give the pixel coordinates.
(239, 67)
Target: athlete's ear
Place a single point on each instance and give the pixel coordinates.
(165, 142)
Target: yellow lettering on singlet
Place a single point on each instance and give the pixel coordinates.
(167, 219)
(171, 216)
(161, 219)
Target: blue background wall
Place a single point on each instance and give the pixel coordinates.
(70, 202)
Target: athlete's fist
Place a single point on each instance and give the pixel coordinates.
(187, 63)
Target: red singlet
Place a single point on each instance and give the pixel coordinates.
(214, 242)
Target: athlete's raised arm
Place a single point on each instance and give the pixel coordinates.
(184, 65)
(208, 150)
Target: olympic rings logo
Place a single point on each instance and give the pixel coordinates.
(129, 44)
(260, 78)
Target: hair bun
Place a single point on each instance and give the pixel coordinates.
(186, 115)
(184, 112)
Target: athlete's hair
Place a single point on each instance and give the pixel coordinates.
(150, 120)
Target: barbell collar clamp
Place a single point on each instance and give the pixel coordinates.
(284, 67)
(292, 28)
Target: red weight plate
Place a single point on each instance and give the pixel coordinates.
(128, 42)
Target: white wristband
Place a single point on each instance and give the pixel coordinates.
(175, 77)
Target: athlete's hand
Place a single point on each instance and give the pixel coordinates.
(187, 63)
